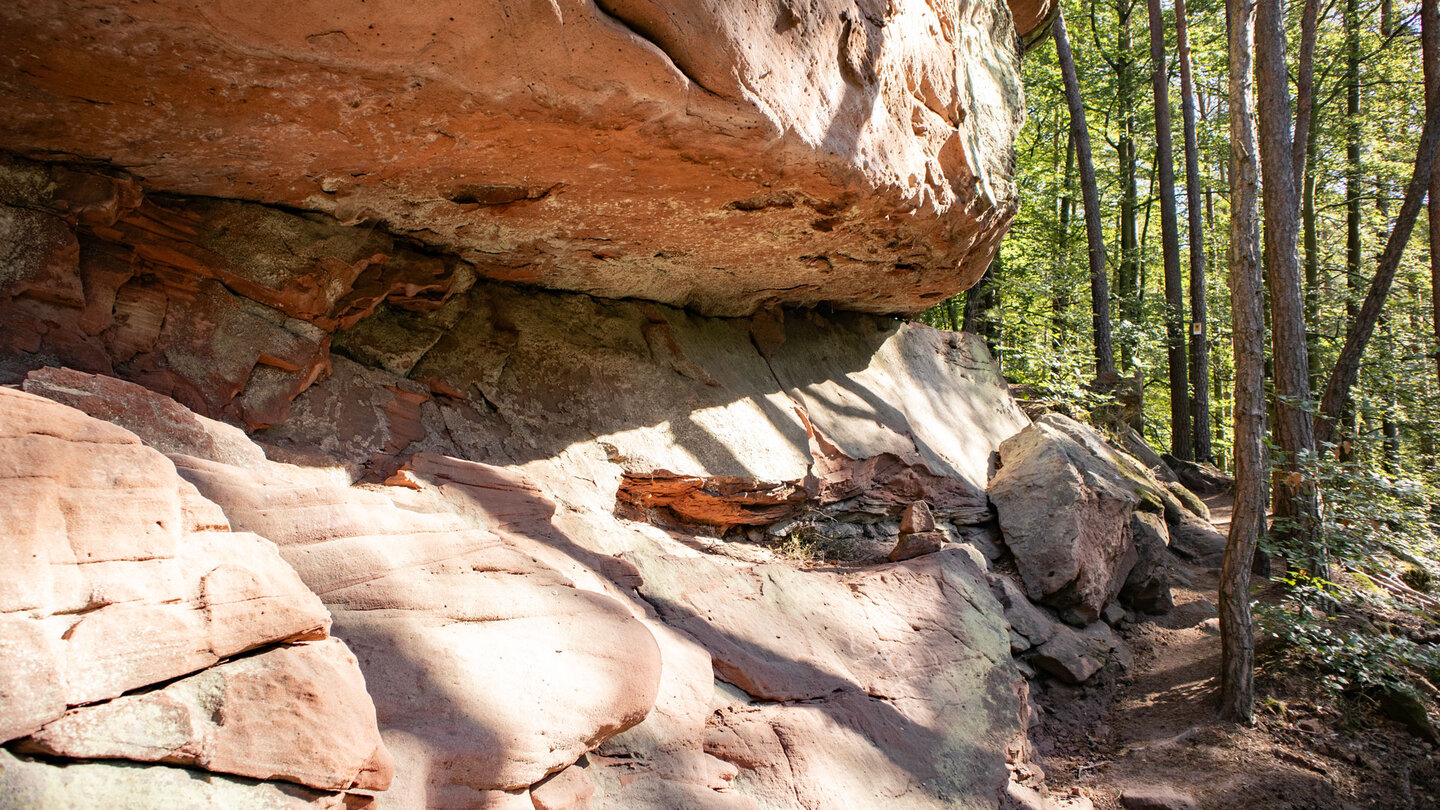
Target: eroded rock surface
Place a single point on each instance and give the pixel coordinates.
(118, 574)
(297, 713)
(514, 502)
(715, 155)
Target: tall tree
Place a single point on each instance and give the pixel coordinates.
(1296, 497)
(1347, 365)
(1352, 174)
(1304, 89)
(1127, 276)
(1180, 440)
(1430, 55)
(1090, 196)
(1199, 348)
(1237, 633)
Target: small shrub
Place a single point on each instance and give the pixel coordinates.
(1418, 578)
(808, 544)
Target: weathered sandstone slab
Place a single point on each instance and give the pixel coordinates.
(29, 784)
(871, 658)
(444, 614)
(296, 713)
(117, 573)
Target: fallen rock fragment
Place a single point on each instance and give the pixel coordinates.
(1157, 797)
(917, 518)
(914, 544)
(1069, 656)
(1202, 479)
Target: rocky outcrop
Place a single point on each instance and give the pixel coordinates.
(422, 305)
(122, 577)
(718, 156)
(464, 579)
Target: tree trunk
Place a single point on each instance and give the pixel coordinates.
(1304, 90)
(1199, 348)
(1181, 443)
(1297, 499)
(980, 304)
(1312, 263)
(1352, 191)
(1430, 55)
(1094, 230)
(1060, 291)
(1237, 633)
(1128, 275)
(1347, 365)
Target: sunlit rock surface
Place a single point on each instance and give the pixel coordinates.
(715, 155)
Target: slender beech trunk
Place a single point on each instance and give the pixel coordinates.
(979, 316)
(1128, 274)
(1060, 291)
(1237, 632)
(1347, 365)
(1312, 263)
(1352, 192)
(1094, 231)
(1296, 497)
(1181, 443)
(1199, 348)
(1430, 55)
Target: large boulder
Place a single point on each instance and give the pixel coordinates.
(1147, 587)
(1065, 514)
(718, 155)
(832, 678)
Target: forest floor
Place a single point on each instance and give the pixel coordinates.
(1156, 726)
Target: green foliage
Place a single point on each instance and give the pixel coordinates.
(1311, 625)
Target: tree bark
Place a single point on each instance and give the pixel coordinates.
(1352, 190)
(980, 303)
(1304, 90)
(1060, 301)
(1237, 633)
(1181, 443)
(1347, 365)
(1128, 275)
(1094, 232)
(1199, 347)
(1297, 499)
(1430, 55)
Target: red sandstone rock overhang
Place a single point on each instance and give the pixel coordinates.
(715, 155)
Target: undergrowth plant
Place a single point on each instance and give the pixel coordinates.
(1351, 631)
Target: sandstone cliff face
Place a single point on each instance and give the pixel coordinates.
(464, 472)
(526, 350)
(714, 155)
